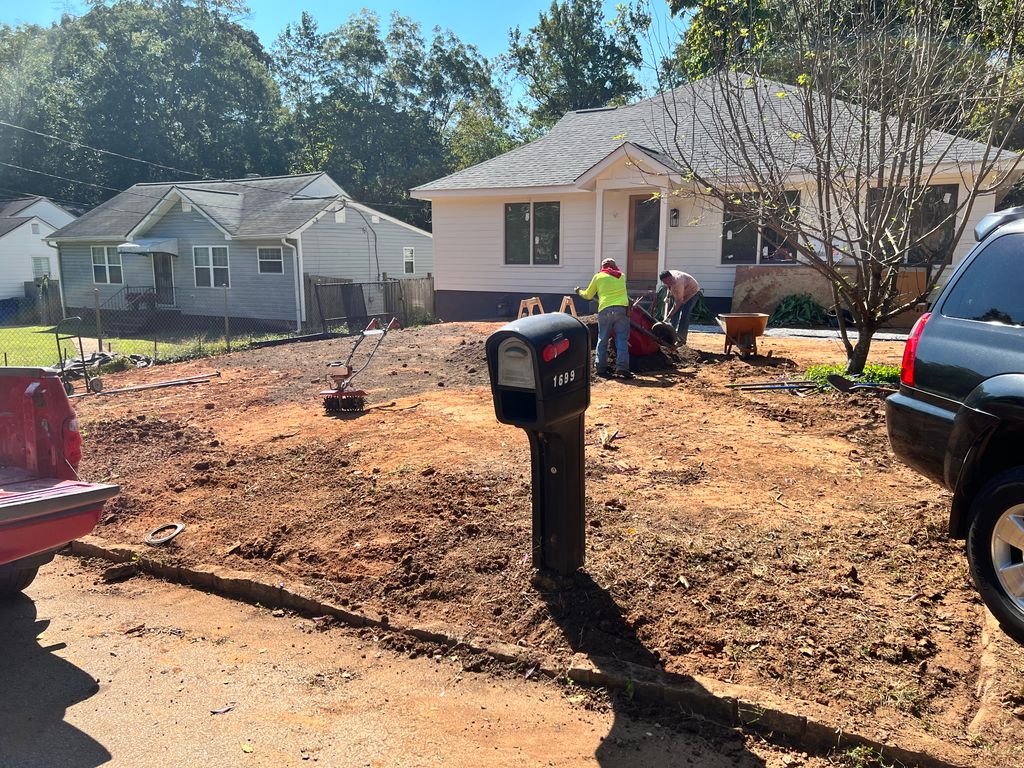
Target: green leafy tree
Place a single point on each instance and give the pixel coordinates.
(572, 59)
(172, 82)
(384, 111)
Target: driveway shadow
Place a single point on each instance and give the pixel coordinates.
(643, 733)
(36, 688)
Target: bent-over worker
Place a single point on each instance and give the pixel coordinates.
(685, 290)
(609, 285)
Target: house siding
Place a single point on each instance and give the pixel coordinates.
(251, 294)
(17, 248)
(342, 250)
(469, 241)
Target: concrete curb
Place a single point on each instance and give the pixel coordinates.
(731, 705)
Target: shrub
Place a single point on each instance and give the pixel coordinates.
(799, 310)
(874, 373)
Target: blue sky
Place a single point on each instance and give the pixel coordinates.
(482, 23)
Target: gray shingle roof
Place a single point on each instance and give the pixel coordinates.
(242, 207)
(11, 223)
(666, 127)
(14, 207)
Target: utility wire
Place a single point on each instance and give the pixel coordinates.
(77, 144)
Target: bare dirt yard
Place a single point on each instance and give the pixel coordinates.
(758, 538)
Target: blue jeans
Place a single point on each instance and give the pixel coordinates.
(613, 320)
(681, 321)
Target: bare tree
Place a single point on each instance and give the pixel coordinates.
(867, 164)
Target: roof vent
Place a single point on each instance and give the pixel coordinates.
(252, 175)
(595, 109)
(994, 221)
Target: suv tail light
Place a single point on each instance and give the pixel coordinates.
(72, 442)
(910, 351)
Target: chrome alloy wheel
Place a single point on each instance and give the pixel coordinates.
(1008, 553)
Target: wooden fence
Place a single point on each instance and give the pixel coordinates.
(333, 302)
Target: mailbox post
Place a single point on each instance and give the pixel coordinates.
(540, 381)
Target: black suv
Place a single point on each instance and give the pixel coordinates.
(959, 415)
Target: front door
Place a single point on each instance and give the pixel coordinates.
(644, 232)
(163, 278)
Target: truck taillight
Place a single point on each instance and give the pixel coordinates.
(910, 351)
(72, 442)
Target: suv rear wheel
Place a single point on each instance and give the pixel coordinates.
(995, 548)
(14, 580)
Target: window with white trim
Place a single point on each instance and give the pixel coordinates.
(409, 259)
(532, 233)
(210, 264)
(40, 267)
(271, 261)
(106, 265)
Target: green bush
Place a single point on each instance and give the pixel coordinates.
(799, 310)
(874, 373)
(701, 315)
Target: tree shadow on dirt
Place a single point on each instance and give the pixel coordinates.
(37, 688)
(651, 735)
(756, 361)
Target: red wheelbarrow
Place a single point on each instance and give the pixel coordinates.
(742, 330)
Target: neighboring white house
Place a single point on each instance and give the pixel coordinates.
(179, 245)
(24, 256)
(538, 220)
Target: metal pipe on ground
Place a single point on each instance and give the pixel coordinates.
(200, 379)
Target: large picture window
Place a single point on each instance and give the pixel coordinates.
(931, 223)
(210, 264)
(106, 265)
(745, 241)
(532, 233)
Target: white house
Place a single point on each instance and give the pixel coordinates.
(538, 220)
(24, 256)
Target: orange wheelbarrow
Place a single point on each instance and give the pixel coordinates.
(742, 330)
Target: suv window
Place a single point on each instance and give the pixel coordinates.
(992, 287)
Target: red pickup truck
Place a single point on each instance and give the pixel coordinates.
(43, 502)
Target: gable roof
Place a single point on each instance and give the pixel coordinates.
(582, 139)
(11, 223)
(251, 207)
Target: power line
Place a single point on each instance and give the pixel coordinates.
(97, 149)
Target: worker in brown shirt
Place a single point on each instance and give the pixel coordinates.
(685, 291)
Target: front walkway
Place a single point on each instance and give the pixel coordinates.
(807, 333)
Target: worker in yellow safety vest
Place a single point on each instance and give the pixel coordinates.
(609, 285)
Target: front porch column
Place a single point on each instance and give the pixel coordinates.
(598, 228)
(663, 231)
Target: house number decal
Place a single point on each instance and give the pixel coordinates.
(561, 379)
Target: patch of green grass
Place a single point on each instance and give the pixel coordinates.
(32, 345)
(874, 373)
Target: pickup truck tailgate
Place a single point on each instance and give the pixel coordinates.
(39, 514)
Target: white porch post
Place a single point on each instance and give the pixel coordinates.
(663, 230)
(598, 228)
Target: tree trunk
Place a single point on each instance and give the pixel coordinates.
(859, 358)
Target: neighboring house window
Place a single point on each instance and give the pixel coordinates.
(40, 266)
(748, 242)
(532, 233)
(932, 224)
(106, 265)
(409, 259)
(35, 229)
(211, 266)
(271, 261)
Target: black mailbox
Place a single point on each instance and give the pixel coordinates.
(540, 380)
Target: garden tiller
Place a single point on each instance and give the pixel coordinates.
(343, 397)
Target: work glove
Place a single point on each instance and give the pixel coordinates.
(577, 289)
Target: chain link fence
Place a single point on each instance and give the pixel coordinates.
(141, 324)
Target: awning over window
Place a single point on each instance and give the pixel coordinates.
(150, 245)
